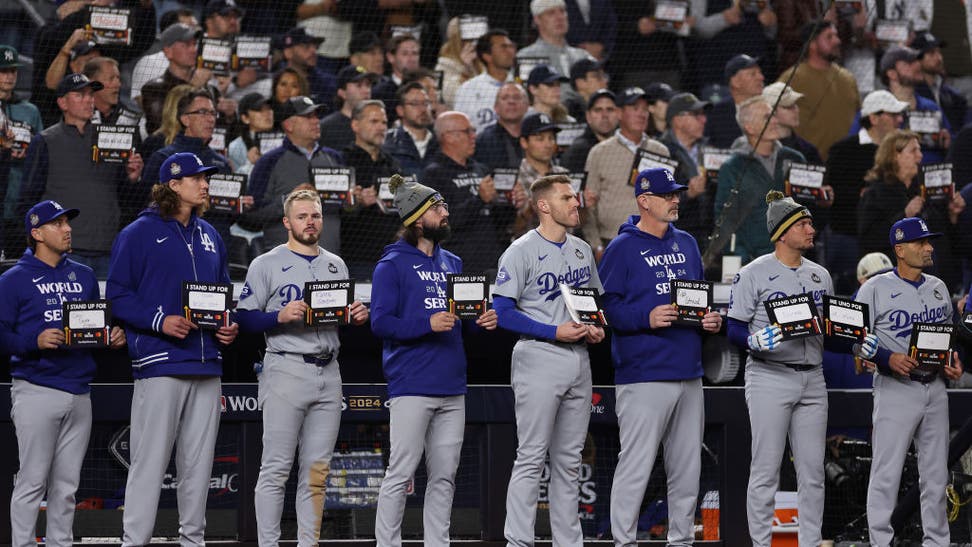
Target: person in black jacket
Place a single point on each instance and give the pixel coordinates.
(478, 223)
(413, 143)
(893, 193)
(602, 120)
(365, 228)
(498, 144)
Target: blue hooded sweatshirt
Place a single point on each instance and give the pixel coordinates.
(408, 287)
(635, 271)
(150, 259)
(31, 294)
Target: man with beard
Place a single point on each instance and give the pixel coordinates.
(412, 143)
(658, 365)
(830, 95)
(910, 401)
(300, 382)
(952, 102)
(424, 363)
(300, 51)
(551, 369)
(785, 389)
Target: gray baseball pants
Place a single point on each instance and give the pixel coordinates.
(168, 411)
(552, 390)
(782, 402)
(53, 428)
(906, 411)
(435, 426)
(649, 414)
(301, 406)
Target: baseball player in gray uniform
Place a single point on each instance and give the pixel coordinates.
(785, 389)
(909, 404)
(300, 385)
(551, 373)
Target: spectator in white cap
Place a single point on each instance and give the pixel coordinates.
(788, 115)
(550, 18)
(849, 160)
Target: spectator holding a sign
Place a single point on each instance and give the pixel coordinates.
(24, 121)
(609, 167)
(50, 395)
(538, 139)
(180, 45)
(914, 360)
(756, 166)
(497, 145)
(365, 228)
(63, 164)
(476, 97)
(300, 380)
(423, 361)
(898, 187)
(478, 221)
(458, 60)
(685, 138)
(657, 361)
(413, 142)
(176, 363)
(785, 388)
(282, 169)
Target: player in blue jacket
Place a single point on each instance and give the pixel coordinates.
(424, 363)
(176, 365)
(50, 395)
(658, 365)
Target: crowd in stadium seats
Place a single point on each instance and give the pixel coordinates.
(460, 94)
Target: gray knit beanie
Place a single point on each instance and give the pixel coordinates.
(411, 198)
(782, 213)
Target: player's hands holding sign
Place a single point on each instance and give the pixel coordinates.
(117, 338)
(868, 347)
(594, 334)
(177, 326)
(954, 371)
(712, 321)
(50, 339)
(766, 339)
(226, 335)
(359, 313)
(571, 332)
(293, 311)
(899, 363)
(443, 321)
(487, 320)
(662, 316)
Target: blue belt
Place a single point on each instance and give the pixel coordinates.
(321, 360)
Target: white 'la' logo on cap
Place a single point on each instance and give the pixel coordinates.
(924, 227)
(198, 161)
(57, 206)
(669, 175)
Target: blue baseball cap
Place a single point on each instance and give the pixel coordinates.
(544, 74)
(657, 180)
(910, 229)
(44, 212)
(183, 164)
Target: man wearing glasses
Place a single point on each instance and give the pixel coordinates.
(286, 167)
(657, 364)
(412, 143)
(197, 116)
(478, 219)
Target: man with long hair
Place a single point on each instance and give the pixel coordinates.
(176, 365)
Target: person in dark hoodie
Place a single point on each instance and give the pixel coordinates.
(50, 395)
(176, 365)
(423, 360)
(657, 364)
